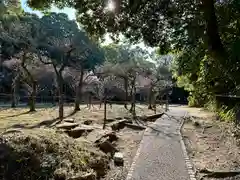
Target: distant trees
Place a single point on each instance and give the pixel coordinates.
(203, 35)
(51, 40)
(127, 63)
(30, 45)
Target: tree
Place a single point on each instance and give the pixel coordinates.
(177, 23)
(18, 39)
(118, 58)
(180, 26)
(94, 58)
(64, 45)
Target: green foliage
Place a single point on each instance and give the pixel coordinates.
(226, 113)
(61, 40)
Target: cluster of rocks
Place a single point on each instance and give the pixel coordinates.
(105, 140)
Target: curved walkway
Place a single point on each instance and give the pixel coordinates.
(160, 155)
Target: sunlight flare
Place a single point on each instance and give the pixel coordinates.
(110, 5)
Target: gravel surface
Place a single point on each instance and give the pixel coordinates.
(161, 156)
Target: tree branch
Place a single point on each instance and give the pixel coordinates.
(40, 59)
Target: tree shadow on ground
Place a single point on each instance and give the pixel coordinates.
(156, 132)
(16, 115)
(46, 123)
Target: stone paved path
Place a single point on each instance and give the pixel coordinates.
(160, 156)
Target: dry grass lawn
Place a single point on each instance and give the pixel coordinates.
(20, 118)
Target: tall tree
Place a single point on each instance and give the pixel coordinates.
(64, 45)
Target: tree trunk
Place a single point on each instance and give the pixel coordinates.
(100, 104)
(126, 92)
(134, 102)
(32, 100)
(15, 87)
(105, 113)
(166, 109)
(13, 97)
(60, 94)
(150, 94)
(133, 94)
(215, 45)
(79, 92)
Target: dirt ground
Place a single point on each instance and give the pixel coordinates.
(44, 118)
(211, 144)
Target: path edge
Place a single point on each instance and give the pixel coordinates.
(188, 162)
(133, 165)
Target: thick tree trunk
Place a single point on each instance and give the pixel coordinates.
(214, 42)
(33, 84)
(32, 100)
(79, 92)
(215, 45)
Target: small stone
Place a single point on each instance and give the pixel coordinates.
(118, 159)
(196, 124)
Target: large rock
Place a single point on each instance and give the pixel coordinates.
(107, 147)
(116, 126)
(67, 125)
(110, 135)
(78, 131)
(118, 159)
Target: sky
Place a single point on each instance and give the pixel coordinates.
(69, 11)
(71, 15)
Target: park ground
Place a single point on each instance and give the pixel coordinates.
(18, 125)
(211, 144)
